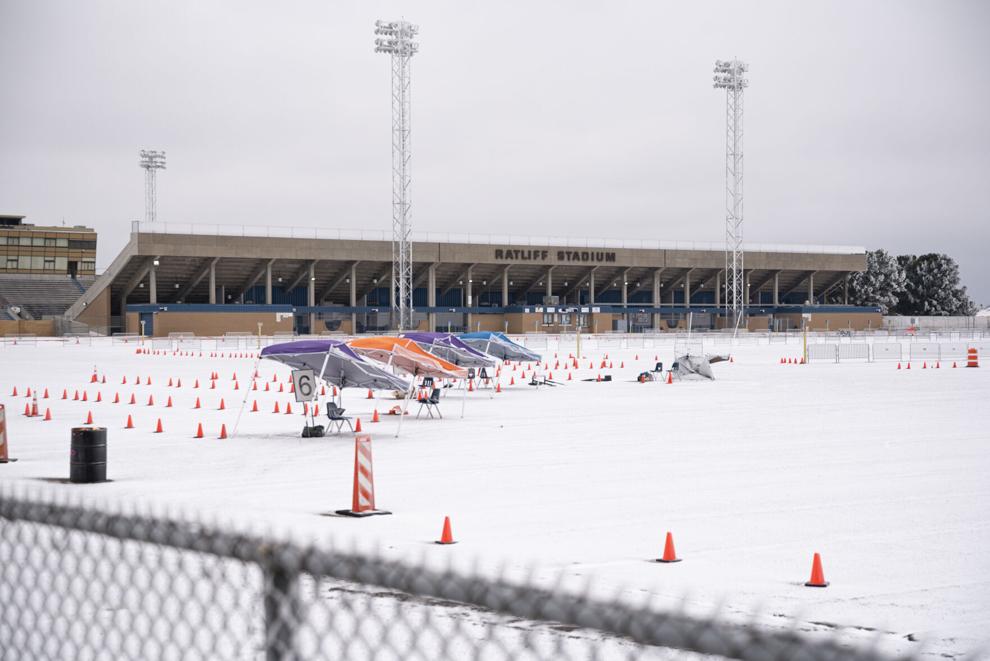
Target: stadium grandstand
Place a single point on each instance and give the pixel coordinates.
(209, 279)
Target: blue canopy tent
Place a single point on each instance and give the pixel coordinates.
(451, 349)
(498, 345)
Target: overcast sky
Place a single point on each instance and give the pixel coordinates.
(866, 122)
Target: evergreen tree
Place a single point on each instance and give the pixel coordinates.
(932, 287)
(882, 283)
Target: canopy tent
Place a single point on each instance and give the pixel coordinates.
(338, 364)
(451, 349)
(405, 355)
(498, 345)
(693, 368)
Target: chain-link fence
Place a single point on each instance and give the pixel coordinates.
(78, 583)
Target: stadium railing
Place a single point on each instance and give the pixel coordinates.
(85, 583)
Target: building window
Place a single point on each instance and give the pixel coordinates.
(49, 243)
(61, 243)
(548, 319)
(38, 241)
(49, 263)
(87, 265)
(11, 262)
(13, 240)
(565, 319)
(78, 244)
(3, 240)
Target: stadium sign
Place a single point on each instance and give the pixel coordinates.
(544, 255)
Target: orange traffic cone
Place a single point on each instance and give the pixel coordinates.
(65, 393)
(370, 394)
(133, 399)
(14, 392)
(357, 425)
(27, 409)
(89, 417)
(222, 405)
(898, 366)
(116, 398)
(512, 380)
(275, 410)
(498, 387)
(908, 366)
(99, 397)
(178, 383)
(197, 405)
(130, 422)
(158, 427)
(670, 378)
(374, 416)
(254, 407)
(151, 400)
(817, 579)
(953, 367)
(669, 554)
(288, 408)
(85, 396)
(199, 431)
(446, 537)
(45, 396)
(470, 386)
(48, 414)
(223, 431)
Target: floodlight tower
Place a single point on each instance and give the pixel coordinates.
(396, 39)
(729, 76)
(151, 161)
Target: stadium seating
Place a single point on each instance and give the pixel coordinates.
(41, 297)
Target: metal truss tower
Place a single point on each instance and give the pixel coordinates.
(396, 39)
(151, 161)
(729, 76)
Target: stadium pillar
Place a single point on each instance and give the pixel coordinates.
(213, 283)
(268, 283)
(591, 288)
(776, 289)
(656, 299)
(353, 297)
(718, 288)
(845, 291)
(687, 289)
(811, 288)
(152, 286)
(431, 296)
(505, 287)
(311, 296)
(466, 299)
(550, 281)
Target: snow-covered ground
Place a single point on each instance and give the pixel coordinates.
(885, 472)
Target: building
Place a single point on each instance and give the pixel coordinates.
(27, 249)
(43, 271)
(214, 279)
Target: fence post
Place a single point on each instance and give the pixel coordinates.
(281, 587)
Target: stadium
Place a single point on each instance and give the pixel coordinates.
(213, 279)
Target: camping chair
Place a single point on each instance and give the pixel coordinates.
(337, 418)
(485, 380)
(432, 403)
(424, 387)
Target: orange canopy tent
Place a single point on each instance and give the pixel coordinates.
(406, 356)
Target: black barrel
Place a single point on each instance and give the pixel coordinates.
(88, 456)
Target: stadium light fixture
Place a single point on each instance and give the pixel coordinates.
(151, 161)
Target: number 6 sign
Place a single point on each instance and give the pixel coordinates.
(304, 383)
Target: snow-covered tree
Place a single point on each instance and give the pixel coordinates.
(933, 287)
(882, 283)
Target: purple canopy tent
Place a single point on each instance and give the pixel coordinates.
(336, 363)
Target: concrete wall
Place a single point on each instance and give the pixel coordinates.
(97, 312)
(181, 245)
(218, 323)
(39, 327)
(836, 321)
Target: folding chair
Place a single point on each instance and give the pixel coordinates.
(486, 381)
(432, 403)
(337, 418)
